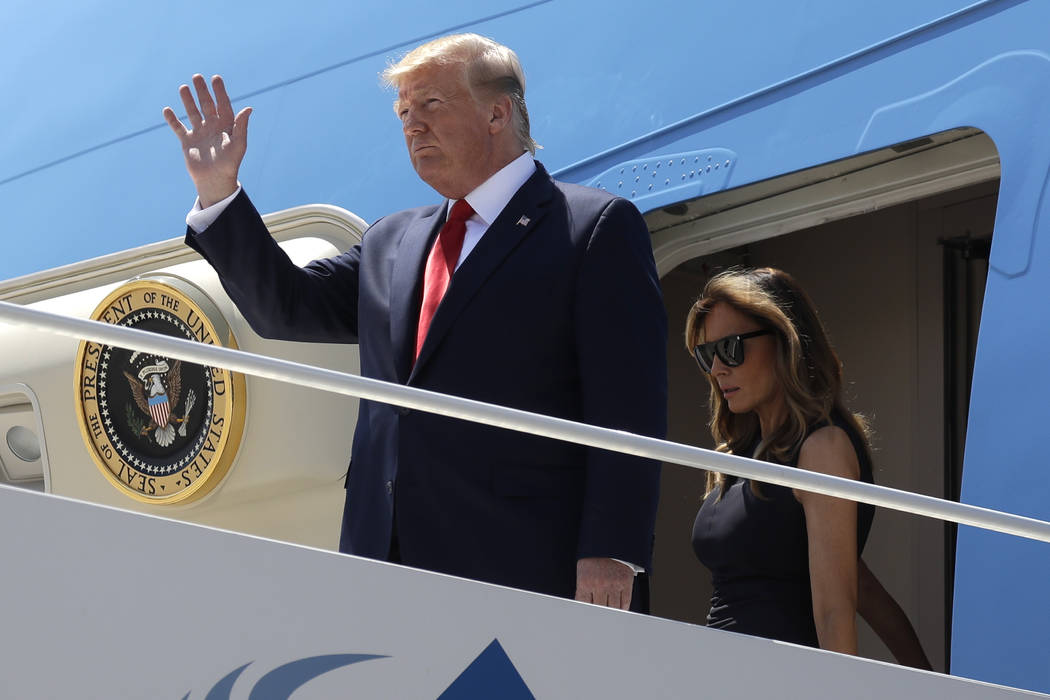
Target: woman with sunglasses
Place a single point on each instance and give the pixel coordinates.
(784, 562)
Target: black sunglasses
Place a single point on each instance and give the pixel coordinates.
(729, 349)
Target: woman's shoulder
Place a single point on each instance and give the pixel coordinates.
(828, 449)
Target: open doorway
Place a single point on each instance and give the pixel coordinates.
(899, 285)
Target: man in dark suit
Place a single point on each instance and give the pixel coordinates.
(538, 295)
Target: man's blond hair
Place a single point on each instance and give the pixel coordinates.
(490, 68)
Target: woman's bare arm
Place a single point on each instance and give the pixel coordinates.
(881, 611)
(831, 526)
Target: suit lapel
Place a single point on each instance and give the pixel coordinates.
(405, 288)
(521, 216)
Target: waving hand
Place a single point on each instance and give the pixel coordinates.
(216, 144)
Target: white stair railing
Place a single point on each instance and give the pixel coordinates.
(524, 421)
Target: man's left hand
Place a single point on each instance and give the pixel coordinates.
(604, 581)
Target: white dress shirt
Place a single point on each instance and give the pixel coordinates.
(490, 198)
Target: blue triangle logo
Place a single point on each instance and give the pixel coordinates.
(491, 675)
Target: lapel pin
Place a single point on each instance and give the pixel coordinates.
(523, 221)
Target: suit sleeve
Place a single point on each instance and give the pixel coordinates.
(280, 300)
(621, 336)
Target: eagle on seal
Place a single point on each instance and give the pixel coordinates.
(156, 390)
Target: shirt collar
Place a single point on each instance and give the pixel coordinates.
(490, 197)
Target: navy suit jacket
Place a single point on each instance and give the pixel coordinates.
(557, 310)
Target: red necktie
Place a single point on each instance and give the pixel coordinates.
(441, 263)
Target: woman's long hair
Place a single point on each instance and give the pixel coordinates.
(807, 368)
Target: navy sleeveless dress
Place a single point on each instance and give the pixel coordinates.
(758, 555)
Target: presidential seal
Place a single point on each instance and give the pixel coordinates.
(161, 430)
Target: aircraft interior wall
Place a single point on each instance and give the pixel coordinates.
(878, 281)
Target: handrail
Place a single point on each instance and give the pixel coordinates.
(524, 421)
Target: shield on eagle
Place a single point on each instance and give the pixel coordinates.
(159, 409)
